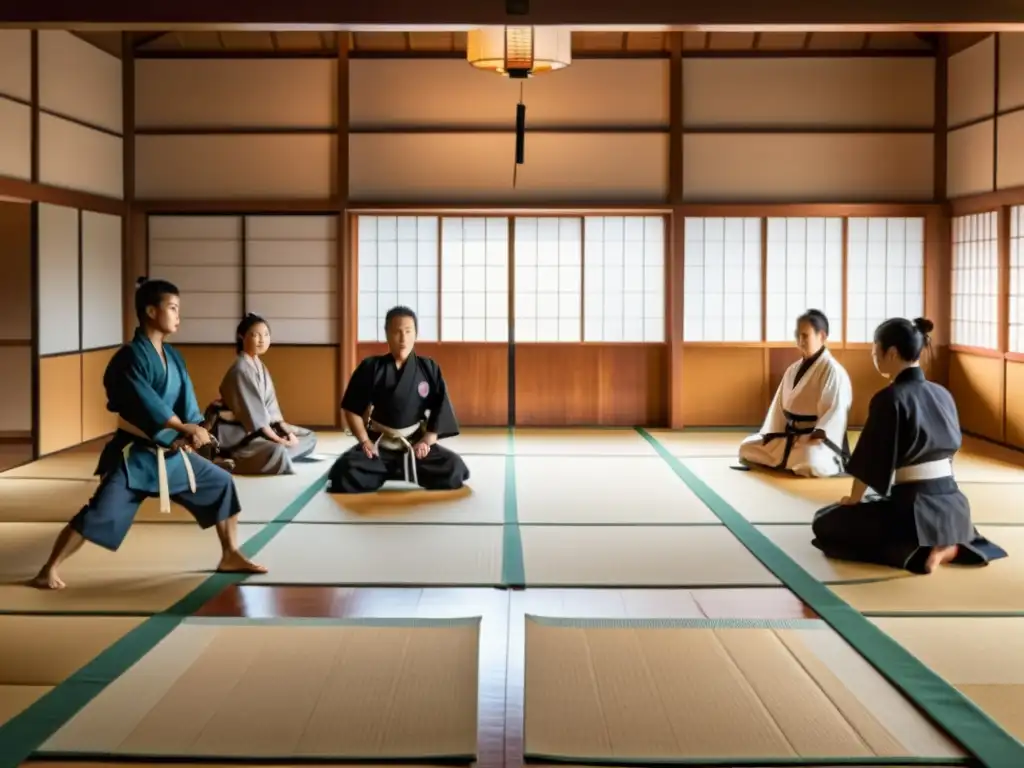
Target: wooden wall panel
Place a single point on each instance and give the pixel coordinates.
(477, 167)
(16, 267)
(591, 384)
(80, 158)
(978, 385)
(972, 83)
(235, 167)
(802, 92)
(15, 139)
(60, 402)
(236, 93)
(1011, 70)
(97, 421)
(403, 93)
(971, 154)
(724, 386)
(476, 374)
(1010, 151)
(1015, 404)
(207, 365)
(303, 376)
(807, 168)
(866, 381)
(16, 64)
(16, 390)
(307, 383)
(78, 80)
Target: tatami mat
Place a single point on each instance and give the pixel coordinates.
(78, 463)
(980, 656)
(776, 497)
(638, 556)
(997, 587)
(604, 490)
(980, 461)
(795, 541)
(236, 688)
(696, 442)
(43, 501)
(428, 555)
(480, 502)
(46, 650)
(156, 567)
(685, 690)
(580, 442)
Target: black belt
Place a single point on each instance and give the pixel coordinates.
(793, 431)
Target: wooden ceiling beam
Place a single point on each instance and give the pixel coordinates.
(722, 15)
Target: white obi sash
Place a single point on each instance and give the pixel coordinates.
(163, 485)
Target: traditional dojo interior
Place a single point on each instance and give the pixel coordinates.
(611, 294)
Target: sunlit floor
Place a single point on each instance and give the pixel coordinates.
(634, 596)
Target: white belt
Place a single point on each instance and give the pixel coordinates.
(929, 470)
(163, 484)
(398, 440)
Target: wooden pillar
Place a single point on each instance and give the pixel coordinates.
(134, 260)
(674, 252)
(348, 286)
(941, 101)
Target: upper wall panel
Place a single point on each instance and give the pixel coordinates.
(825, 92)
(15, 139)
(403, 93)
(77, 157)
(79, 81)
(16, 63)
(1011, 70)
(971, 155)
(235, 167)
(972, 83)
(844, 167)
(477, 167)
(236, 93)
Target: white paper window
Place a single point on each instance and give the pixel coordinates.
(398, 265)
(884, 273)
(548, 279)
(975, 310)
(474, 279)
(722, 280)
(624, 278)
(804, 271)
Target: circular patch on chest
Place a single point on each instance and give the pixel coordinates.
(423, 389)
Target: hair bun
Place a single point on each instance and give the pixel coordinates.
(924, 325)
(140, 281)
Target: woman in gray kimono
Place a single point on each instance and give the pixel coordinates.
(251, 429)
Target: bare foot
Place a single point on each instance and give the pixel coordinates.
(940, 556)
(236, 562)
(47, 579)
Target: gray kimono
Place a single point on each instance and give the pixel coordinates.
(247, 391)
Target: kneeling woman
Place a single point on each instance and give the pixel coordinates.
(805, 430)
(252, 431)
(920, 520)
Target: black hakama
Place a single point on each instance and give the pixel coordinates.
(416, 393)
(912, 422)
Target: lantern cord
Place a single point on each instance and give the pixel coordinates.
(520, 135)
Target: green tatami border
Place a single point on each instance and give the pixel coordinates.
(513, 566)
(23, 734)
(753, 762)
(976, 732)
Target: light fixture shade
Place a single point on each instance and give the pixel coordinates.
(518, 50)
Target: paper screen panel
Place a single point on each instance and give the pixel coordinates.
(474, 278)
(1016, 315)
(884, 273)
(398, 265)
(202, 256)
(975, 305)
(805, 271)
(548, 279)
(624, 278)
(722, 279)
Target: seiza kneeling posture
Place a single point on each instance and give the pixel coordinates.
(404, 401)
(920, 520)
